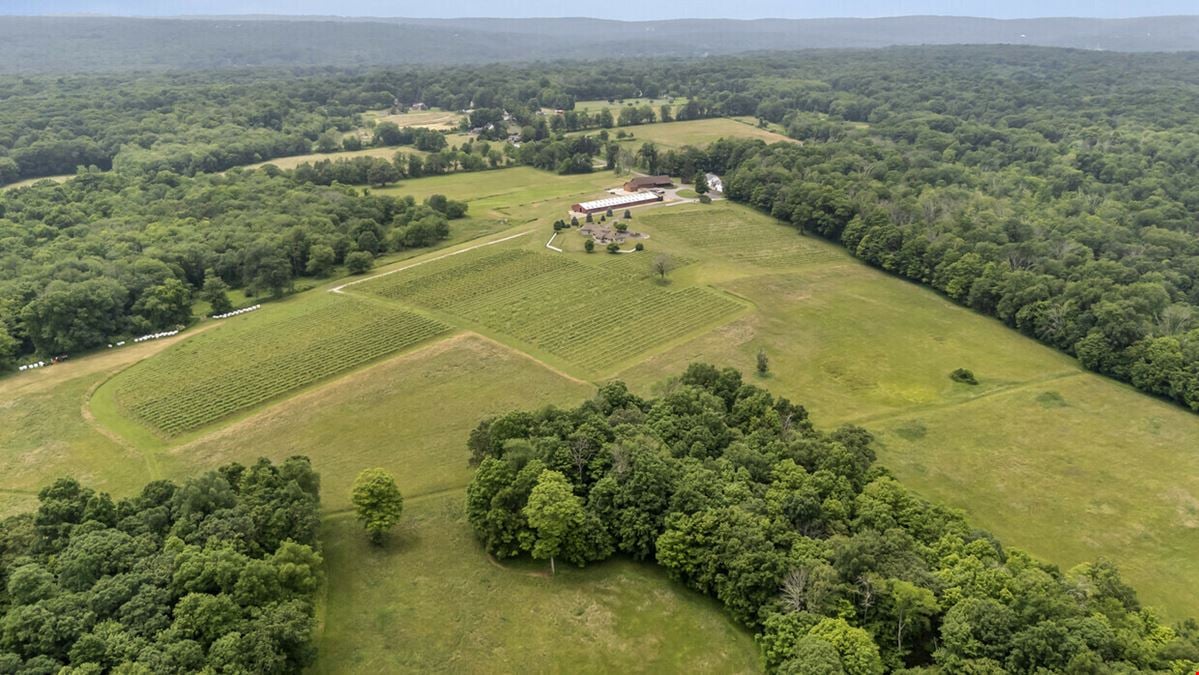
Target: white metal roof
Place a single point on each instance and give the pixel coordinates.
(621, 200)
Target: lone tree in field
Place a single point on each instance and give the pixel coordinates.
(378, 503)
(701, 183)
(763, 362)
(628, 215)
(574, 221)
(661, 266)
(553, 511)
(589, 245)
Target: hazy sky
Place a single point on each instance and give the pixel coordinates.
(632, 11)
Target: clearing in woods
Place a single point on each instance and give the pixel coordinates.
(694, 132)
(1064, 463)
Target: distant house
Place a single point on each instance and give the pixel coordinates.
(714, 182)
(646, 182)
(618, 202)
(419, 106)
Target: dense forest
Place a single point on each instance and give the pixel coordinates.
(213, 575)
(112, 254)
(1053, 189)
(800, 535)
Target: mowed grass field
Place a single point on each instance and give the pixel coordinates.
(696, 132)
(292, 162)
(429, 119)
(1066, 464)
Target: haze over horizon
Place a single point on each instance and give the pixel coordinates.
(783, 9)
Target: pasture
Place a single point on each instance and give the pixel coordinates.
(1064, 463)
(292, 162)
(593, 106)
(430, 119)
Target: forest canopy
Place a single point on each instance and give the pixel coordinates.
(216, 574)
(799, 534)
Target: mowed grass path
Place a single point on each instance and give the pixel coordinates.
(698, 133)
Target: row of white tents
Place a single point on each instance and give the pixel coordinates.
(156, 336)
(235, 312)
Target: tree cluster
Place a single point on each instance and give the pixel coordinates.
(835, 566)
(214, 575)
(108, 255)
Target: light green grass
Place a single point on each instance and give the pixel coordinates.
(698, 133)
(32, 181)
(446, 608)
(593, 106)
(520, 194)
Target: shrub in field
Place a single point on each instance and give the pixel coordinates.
(964, 376)
(589, 245)
(613, 248)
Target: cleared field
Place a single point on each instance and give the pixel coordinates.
(429, 119)
(31, 181)
(737, 234)
(388, 610)
(697, 132)
(258, 358)
(586, 316)
(296, 160)
(1071, 469)
(595, 105)
(518, 193)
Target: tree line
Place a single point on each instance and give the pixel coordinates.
(800, 535)
(217, 574)
(109, 255)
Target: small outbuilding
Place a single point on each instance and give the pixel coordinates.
(647, 182)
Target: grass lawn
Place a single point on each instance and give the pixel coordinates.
(695, 132)
(429, 119)
(433, 601)
(312, 158)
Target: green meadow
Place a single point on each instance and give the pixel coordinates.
(1061, 462)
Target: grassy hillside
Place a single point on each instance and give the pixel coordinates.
(1056, 460)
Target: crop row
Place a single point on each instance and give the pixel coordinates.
(443, 286)
(175, 396)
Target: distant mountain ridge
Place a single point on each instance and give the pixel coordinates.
(93, 43)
